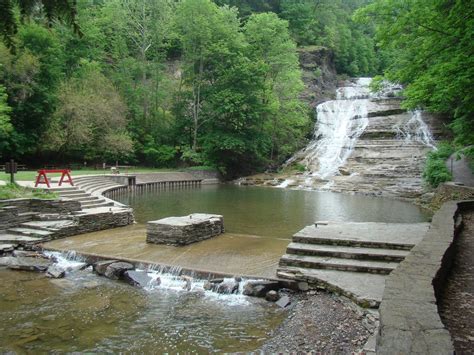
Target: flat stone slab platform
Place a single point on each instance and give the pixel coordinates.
(228, 253)
(184, 230)
(351, 258)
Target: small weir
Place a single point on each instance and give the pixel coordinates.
(83, 312)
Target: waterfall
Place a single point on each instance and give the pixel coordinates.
(340, 123)
(415, 130)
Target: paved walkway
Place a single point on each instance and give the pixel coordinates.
(460, 170)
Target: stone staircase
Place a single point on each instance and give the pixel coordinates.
(96, 212)
(350, 258)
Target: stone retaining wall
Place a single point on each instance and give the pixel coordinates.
(409, 319)
(14, 212)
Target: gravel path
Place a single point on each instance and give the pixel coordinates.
(322, 322)
(457, 306)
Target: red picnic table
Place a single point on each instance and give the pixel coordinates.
(43, 179)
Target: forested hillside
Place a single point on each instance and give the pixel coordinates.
(166, 83)
(201, 82)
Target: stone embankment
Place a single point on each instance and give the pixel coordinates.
(409, 319)
(26, 222)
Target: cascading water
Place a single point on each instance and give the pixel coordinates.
(340, 123)
(415, 130)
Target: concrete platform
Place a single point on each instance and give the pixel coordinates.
(350, 258)
(233, 254)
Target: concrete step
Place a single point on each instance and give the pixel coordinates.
(401, 236)
(29, 232)
(51, 226)
(318, 262)
(9, 238)
(87, 198)
(51, 217)
(363, 288)
(28, 214)
(77, 193)
(98, 204)
(347, 252)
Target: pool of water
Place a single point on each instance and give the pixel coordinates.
(87, 313)
(268, 211)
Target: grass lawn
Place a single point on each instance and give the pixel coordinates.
(30, 175)
(11, 191)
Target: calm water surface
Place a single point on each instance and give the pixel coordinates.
(87, 313)
(269, 211)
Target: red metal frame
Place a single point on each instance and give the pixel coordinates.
(43, 179)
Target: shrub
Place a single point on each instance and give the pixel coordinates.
(435, 171)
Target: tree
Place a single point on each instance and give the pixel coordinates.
(434, 45)
(285, 117)
(6, 127)
(51, 9)
(90, 120)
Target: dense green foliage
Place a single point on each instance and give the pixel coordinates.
(436, 171)
(158, 82)
(434, 45)
(164, 82)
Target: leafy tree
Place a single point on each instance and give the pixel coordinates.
(271, 45)
(6, 127)
(50, 9)
(434, 45)
(90, 119)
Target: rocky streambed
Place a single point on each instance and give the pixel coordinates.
(92, 308)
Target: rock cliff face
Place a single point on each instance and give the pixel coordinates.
(366, 144)
(319, 74)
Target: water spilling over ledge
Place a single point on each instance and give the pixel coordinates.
(366, 143)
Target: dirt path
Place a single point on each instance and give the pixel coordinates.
(457, 306)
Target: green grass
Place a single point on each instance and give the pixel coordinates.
(30, 175)
(11, 191)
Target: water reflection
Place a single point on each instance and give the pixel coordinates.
(270, 212)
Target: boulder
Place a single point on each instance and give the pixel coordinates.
(303, 286)
(29, 264)
(100, 266)
(283, 301)
(116, 270)
(55, 272)
(272, 296)
(259, 288)
(138, 278)
(6, 248)
(7, 260)
(228, 287)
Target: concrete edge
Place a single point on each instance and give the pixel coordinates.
(409, 319)
(199, 273)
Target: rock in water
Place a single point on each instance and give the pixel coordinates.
(116, 270)
(100, 266)
(272, 296)
(55, 272)
(30, 264)
(283, 301)
(228, 287)
(138, 278)
(259, 288)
